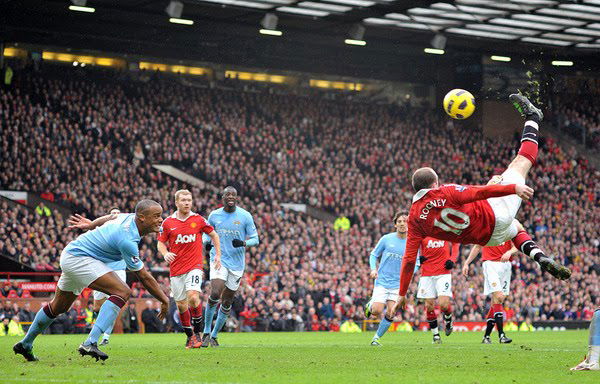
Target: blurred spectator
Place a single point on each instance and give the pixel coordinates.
(129, 319)
(43, 210)
(349, 326)
(26, 315)
(150, 319)
(276, 324)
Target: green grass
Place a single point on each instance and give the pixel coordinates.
(539, 357)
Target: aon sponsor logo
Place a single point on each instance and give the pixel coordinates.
(435, 243)
(184, 239)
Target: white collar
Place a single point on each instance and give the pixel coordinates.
(417, 196)
(174, 215)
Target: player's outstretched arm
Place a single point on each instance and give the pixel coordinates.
(214, 237)
(150, 283)
(464, 195)
(413, 242)
(472, 255)
(79, 222)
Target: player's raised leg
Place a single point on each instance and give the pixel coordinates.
(118, 294)
(592, 359)
(528, 151)
(61, 303)
(525, 244)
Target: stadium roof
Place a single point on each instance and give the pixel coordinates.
(542, 22)
(313, 31)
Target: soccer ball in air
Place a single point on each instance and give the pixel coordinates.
(459, 104)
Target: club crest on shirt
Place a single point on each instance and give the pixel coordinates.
(237, 222)
(194, 225)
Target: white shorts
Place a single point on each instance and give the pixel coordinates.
(101, 295)
(383, 295)
(232, 278)
(505, 210)
(191, 281)
(78, 272)
(496, 277)
(430, 287)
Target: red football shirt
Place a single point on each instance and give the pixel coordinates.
(456, 213)
(436, 253)
(495, 253)
(184, 238)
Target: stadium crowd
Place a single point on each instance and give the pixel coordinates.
(577, 114)
(86, 139)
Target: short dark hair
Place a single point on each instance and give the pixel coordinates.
(399, 214)
(144, 205)
(423, 178)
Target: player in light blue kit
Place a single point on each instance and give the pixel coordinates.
(237, 231)
(84, 264)
(389, 251)
(119, 267)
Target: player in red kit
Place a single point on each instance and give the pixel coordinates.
(497, 271)
(483, 215)
(180, 243)
(438, 257)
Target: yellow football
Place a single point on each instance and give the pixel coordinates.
(459, 104)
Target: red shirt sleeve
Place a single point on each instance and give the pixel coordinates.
(460, 194)
(454, 251)
(413, 242)
(206, 228)
(163, 233)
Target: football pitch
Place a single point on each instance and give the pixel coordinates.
(537, 357)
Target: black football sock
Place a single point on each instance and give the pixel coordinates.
(489, 327)
(433, 326)
(499, 319)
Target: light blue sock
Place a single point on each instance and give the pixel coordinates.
(41, 322)
(595, 329)
(221, 319)
(106, 320)
(108, 331)
(209, 314)
(383, 327)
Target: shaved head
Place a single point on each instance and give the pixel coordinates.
(424, 178)
(229, 188)
(143, 205)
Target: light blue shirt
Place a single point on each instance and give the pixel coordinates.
(390, 252)
(113, 243)
(238, 224)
